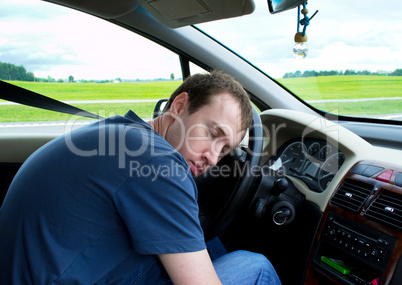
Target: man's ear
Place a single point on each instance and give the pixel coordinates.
(180, 104)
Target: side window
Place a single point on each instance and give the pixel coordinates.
(196, 69)
(81, 60)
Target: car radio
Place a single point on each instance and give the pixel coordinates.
(352, 252)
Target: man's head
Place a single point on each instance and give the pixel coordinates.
(205, 118)
(201, 89)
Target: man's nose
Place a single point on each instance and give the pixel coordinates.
(212, 157)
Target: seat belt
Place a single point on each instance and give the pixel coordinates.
(23, 96)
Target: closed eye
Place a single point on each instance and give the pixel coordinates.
(225, 150)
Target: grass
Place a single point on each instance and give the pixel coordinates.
(362, 108)
(310, 88)
(344, 87)
(102, 91)
(350, 87)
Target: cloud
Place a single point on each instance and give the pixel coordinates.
(68, 42)
(59, 42)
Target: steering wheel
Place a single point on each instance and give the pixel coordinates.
(224, 188)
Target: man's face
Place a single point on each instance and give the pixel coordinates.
(207, 134)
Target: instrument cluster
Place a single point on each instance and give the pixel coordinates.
(314, 161)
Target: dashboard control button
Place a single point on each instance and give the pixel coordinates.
(383, 241)
(385, 176)
(359, 169)
(381, 251)
(398, 179)
(371, 170)
(361, 242)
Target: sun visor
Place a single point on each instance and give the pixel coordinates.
(178, 13)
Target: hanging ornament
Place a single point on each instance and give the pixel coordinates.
(300, 48)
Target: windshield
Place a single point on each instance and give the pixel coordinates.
(354, 61)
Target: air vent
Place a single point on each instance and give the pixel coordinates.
(387, 209)
(352, 194)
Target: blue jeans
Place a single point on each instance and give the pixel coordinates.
(241, 267)
(235, 268)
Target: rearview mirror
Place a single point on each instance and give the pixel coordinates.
(276, 6)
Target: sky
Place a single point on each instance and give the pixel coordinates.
(344, 34)
(52, 41)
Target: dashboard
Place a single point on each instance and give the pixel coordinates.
(357, 187)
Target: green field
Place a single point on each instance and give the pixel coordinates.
(344, 87)
(310, 88)
(350, 87)
(89, 91)
(102, 91)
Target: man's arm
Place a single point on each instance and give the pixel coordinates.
(190, 268)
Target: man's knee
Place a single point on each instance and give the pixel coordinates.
(252, 259)
(257, 265)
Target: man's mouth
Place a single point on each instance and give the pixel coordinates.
(196, 169)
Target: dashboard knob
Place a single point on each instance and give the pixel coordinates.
(280, 186)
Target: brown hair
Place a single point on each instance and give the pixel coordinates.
(201, 88)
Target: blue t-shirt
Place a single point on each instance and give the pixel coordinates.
(96, 205)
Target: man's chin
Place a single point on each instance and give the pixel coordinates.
(194, 170)
(198, 174)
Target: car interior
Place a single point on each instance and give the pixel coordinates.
(318, 193)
